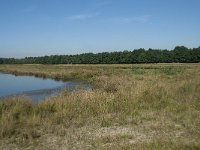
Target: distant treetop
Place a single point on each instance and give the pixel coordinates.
(180, 54)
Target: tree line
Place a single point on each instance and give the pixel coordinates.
(180, 54)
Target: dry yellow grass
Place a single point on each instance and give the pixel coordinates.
(148, 106)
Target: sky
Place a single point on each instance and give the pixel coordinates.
(54, 27)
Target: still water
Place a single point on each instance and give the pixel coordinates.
(35, 88)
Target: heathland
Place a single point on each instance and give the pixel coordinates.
(143, 106)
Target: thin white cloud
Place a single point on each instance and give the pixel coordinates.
(80, 17)
(29, 9)
(138, 19)
(101, 3)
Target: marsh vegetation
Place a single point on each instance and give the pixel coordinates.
(147, 106)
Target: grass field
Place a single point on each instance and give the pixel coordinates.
(144, 106)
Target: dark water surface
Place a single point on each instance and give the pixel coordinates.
(35, 88)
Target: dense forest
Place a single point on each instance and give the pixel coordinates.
(179, 54)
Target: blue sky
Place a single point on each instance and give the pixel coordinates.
(46, 27)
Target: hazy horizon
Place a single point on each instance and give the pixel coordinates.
(48, 27)
(96, 52)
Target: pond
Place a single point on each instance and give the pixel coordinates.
(35, 88)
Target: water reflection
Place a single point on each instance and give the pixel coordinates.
(35, 88)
